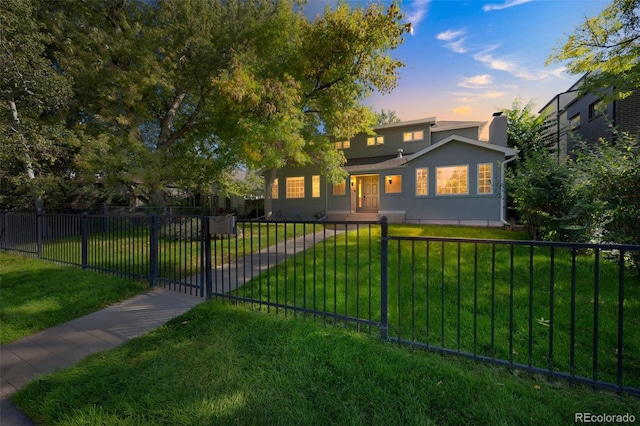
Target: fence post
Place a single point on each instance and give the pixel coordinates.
(208, 280)
(153, 250)
(384, 278)
(85, 239)
(39, 231)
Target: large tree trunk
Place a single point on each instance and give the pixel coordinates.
(269, 178)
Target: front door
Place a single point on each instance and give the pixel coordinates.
(367, 193)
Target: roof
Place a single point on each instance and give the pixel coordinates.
(360, 165)
(509, 152)
(428, 120)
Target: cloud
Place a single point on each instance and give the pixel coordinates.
(417, 13)
(477, 81)
(507, 4)
(506, 65)
(450, 34)
(453, 36)
(462, 110)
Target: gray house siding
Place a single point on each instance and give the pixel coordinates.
(307, 207)
(382, 180)
(454, 208)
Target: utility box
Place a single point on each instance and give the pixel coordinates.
(222, 225)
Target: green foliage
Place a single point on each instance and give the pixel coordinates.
(543, 195)
(608, 181)
(37, 151)
(386, 117)
(525, 129)
(606, 47)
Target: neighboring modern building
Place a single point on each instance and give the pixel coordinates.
(421, 171)
(588, 118)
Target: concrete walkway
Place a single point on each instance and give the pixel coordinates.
(64, 345)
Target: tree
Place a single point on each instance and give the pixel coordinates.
(386, 117)
(233, 83)
(606, 48)
(293, 91)
(37, 151)
(525, 131)
(608, 176)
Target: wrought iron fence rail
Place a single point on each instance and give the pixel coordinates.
(476, 298)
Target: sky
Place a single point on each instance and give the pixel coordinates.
(466, 60)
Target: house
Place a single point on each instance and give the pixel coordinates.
(576, 116)
(421, 171)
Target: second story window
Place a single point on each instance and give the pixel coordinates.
(343, 145)
(375, 140)
(413, 136)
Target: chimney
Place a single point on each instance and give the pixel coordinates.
(498, 129)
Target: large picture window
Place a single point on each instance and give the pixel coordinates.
(485, 172)
(452, 180)
(295, 187)
(422, 181)
(340, 189)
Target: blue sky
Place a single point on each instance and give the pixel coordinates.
(468, 59)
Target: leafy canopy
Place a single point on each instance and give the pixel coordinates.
(607, 48)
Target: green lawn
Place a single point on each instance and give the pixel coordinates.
(436, 300)
(125, 247)
(35, 295)
(223, 364)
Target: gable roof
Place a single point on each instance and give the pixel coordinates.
(508, 152)
(361, 165)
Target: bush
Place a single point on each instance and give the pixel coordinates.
(543, 194)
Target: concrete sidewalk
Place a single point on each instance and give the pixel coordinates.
(64, 345)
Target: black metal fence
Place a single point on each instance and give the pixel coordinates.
(570, 311)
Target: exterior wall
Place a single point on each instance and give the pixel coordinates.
(471, 133)
(393, 140)
(628, 114)
(405, 206)
(454, 208)
(302, 208)
(590, 129)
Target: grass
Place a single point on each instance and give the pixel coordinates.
(438, 297)
(36, 295)
(224, 364)
(125, 247)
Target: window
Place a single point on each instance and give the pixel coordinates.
(295, 187)
(485, 172)
(375, 140)
(274, 189)
(596, 109)
(574, 122)
(340, 189)
(422, 181)
(413, 136)
(393, 184)
(452, 180)
(315, 186)
(343, 145)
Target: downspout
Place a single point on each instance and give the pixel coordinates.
(503, 191)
